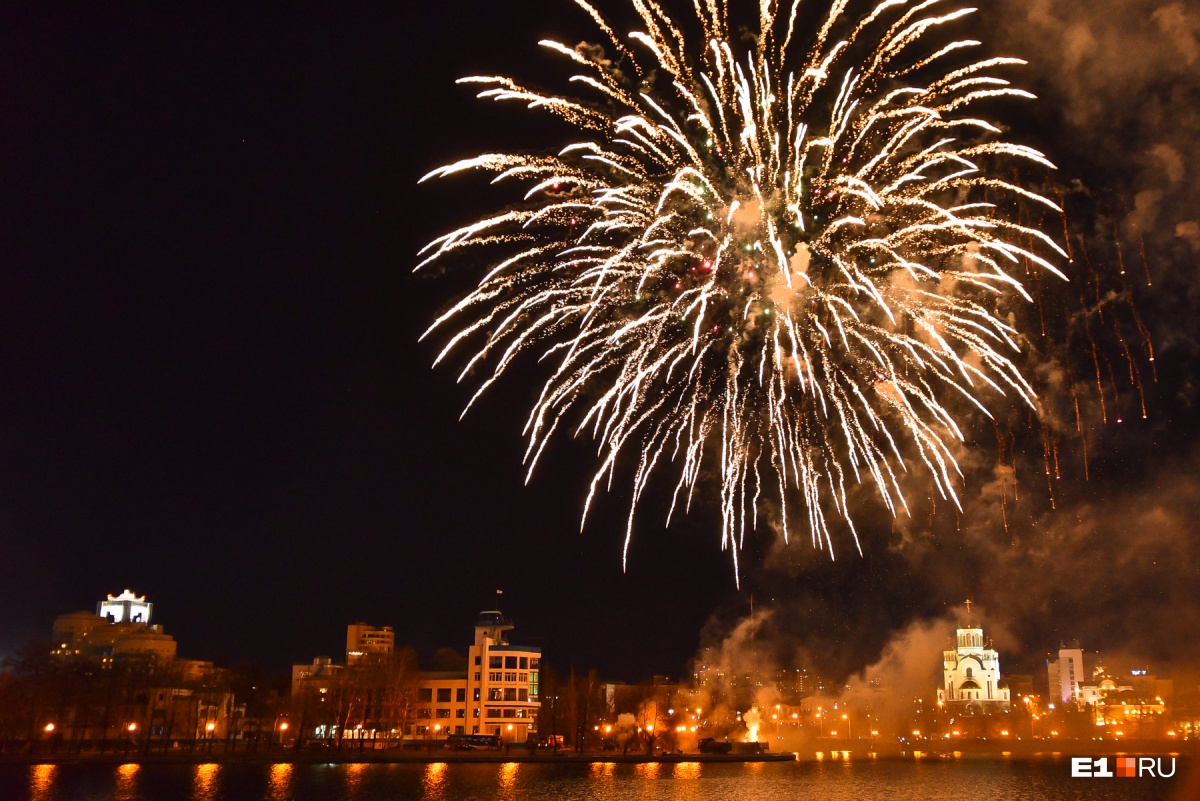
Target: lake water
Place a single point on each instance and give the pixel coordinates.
(864, 780)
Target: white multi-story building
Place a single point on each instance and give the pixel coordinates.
(499, 694)
(1066, 675)
(971, 673)
(502, 681)
(125, 608)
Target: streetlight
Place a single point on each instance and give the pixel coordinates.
(49, 728)
(283, 727)
(849, 728)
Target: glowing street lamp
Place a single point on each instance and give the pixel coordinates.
(49, 729)
(132, 727)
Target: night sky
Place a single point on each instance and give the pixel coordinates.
(211, 389)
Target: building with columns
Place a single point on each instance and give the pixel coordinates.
(971, 673)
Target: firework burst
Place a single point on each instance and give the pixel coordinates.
(789, 262)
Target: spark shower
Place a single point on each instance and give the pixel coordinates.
(780, 264)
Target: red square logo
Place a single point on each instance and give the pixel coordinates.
(1127, 767)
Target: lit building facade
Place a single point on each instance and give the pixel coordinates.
(971, 674)
(125, 608)
(363, 642)
(1066, 675)
(503, 681)
(499, 694)
(120, 628)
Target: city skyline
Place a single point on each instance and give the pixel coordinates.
(214, 392)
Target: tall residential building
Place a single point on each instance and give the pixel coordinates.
(363, 641)
(971, 673)
(125, 608)
(1066, 675)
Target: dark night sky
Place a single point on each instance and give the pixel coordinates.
(211, 389)
(213, 392)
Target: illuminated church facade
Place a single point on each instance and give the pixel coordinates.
(971, 674)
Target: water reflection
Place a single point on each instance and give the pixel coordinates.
(433, 780)
(837, 779)
(204, 782)
(354, 778)
(508, 779)
(41, 782)
(126, 783)
(279, 784)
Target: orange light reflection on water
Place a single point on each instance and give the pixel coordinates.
(204, 782)
(41, 782)
(279, 785)
(433, 780)
(354, 778)
(126, 783)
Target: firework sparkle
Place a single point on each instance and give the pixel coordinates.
(788, 261)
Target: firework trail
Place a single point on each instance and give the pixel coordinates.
(789, 260)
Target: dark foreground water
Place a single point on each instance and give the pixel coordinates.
(835, 780)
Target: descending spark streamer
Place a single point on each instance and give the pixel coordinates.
(791, 262)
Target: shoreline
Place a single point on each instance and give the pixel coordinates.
(833, 751)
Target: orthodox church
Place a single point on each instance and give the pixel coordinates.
(971, 674)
